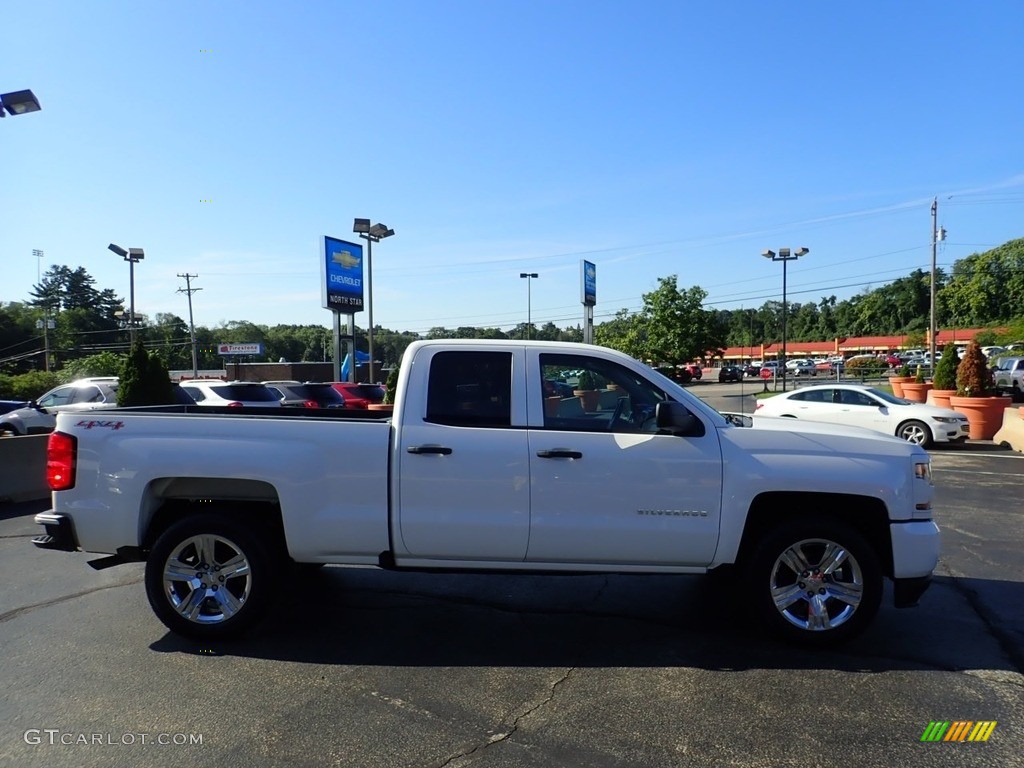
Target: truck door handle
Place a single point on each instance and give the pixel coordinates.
(429, 449)
(559, 453)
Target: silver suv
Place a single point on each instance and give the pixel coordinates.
(40, 416)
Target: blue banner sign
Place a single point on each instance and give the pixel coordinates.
(341, 270)
(588, 283)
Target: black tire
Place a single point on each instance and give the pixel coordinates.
(916, 432)
(228, 577)
(815, 582)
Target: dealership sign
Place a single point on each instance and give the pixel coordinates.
(239, 349)
(588, 283)
(341, 273)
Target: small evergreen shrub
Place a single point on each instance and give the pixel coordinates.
(973, 377)
(945, 371)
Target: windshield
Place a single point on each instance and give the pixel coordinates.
(888, 397)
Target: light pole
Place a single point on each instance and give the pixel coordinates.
(18, 103)
(46, 324)
(132, 255)
(371, 234)
(529, 279)
(784, 255)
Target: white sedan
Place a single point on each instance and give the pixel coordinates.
(870, 408)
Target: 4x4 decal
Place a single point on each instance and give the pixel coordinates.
(90, 423)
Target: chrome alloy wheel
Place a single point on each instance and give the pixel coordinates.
(915, 432)
(207, 579)
(816, 585)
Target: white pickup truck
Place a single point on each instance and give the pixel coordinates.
(1009, 377)
(490, 462)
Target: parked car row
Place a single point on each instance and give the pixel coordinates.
(39, 416)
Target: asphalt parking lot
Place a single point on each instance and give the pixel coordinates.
(372, 668)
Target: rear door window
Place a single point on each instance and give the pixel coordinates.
(470, 389)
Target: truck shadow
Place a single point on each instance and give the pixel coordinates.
(349, 616)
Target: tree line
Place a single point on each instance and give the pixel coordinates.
(673, 326)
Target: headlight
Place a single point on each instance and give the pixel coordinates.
(923, 471)
(947, 419)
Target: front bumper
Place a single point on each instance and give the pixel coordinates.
(60, 532)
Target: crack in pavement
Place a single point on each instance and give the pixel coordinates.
(498, 738)
(15, 612)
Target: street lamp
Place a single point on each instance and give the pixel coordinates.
(18, 103)
(132, 255)
(371, 233)
(529, 278)
(784, 255)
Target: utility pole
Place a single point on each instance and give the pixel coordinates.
(46, 323)
(191, 326)
(938, 233)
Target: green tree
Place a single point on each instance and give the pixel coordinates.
(102, 364)
(987, 287)
(27, 386)
(144, 379)
(673, 328)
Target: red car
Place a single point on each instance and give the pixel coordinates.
(359, 395)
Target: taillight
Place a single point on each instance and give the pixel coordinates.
(60, 461)
(235, 404)
(310, 404)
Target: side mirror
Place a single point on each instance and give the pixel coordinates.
(674, 419)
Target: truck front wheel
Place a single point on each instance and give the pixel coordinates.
(816, 582)
(208, 577)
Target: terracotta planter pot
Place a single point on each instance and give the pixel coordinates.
(589, 398)
(916, 393)
(385, 409)
(551, 406)
(940, 397)
(984, 414)
(897, 382)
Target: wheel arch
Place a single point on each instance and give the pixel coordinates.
(867, 515)
(167, 500)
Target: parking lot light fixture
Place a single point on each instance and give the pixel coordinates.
(529, 279)
(784, 255)
(371, 233)
(18, 103)
(132, 255)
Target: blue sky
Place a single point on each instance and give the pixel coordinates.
(496, 137)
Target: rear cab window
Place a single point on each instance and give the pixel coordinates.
(470, 389)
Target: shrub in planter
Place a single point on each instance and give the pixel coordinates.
(973, 377)
(976, 396)
(390, 386)
(945, 371)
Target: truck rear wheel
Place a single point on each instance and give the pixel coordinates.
(208, 577)
(815, 582)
